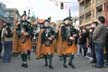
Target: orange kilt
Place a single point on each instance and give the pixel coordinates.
(69, 49)
(47, 50)
(44, 50)
(41, 49)
(24, 47)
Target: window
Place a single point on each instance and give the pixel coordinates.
(11, 14)
(7, 14)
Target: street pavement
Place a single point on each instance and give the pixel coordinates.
(82, 65)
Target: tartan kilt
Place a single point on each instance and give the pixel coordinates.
(24, 47)
(67, 50)
(44, 50)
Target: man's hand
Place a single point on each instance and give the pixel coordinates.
(71, 38)
(50, 38)
(18, 23)
(26, 33)
(75, 35)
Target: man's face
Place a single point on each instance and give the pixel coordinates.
(93, 25)
(67, 22)
(46, 24)
(84, 30)
(24, 18)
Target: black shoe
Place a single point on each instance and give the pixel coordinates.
(65, 66)
(72, 66)
(69, 64)
(46, 65)
(24, 65)
(51, 67)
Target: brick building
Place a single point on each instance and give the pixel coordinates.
(106, 10)
(90, 10)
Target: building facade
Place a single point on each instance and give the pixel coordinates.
(90, 10)
(12, 15)
(106, 11)
(2, 12)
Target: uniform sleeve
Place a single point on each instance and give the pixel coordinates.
(73, 31)
(63, 33)
(53, 32)
(18, 31)
(62, 30)
(43, 37)
(30, 27)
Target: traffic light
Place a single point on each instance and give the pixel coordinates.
(61, 5)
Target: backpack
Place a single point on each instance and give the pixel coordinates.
(9, 32)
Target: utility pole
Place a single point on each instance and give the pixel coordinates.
(69, 12)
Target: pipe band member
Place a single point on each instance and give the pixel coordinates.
(68, 36)
(45, 46)
(24, 31)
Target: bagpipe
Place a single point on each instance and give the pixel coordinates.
(24, 28)
(35, 34)
(69, 36)
(48, 34)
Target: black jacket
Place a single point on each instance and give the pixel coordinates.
(84, 38)
(50, 33)
(24, 24)
(64, 32)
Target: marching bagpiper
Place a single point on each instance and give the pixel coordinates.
(24, 30)
(66, 42)
(45, 46)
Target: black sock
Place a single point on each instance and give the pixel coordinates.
(50, 59)
(25, 57)
(64, 58)
(22, 57)
(28, 52)
(45, 57)
(71, 59)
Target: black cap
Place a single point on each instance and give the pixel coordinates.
(24, 14)
(68, 18)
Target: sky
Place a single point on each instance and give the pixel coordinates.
(45, 8)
